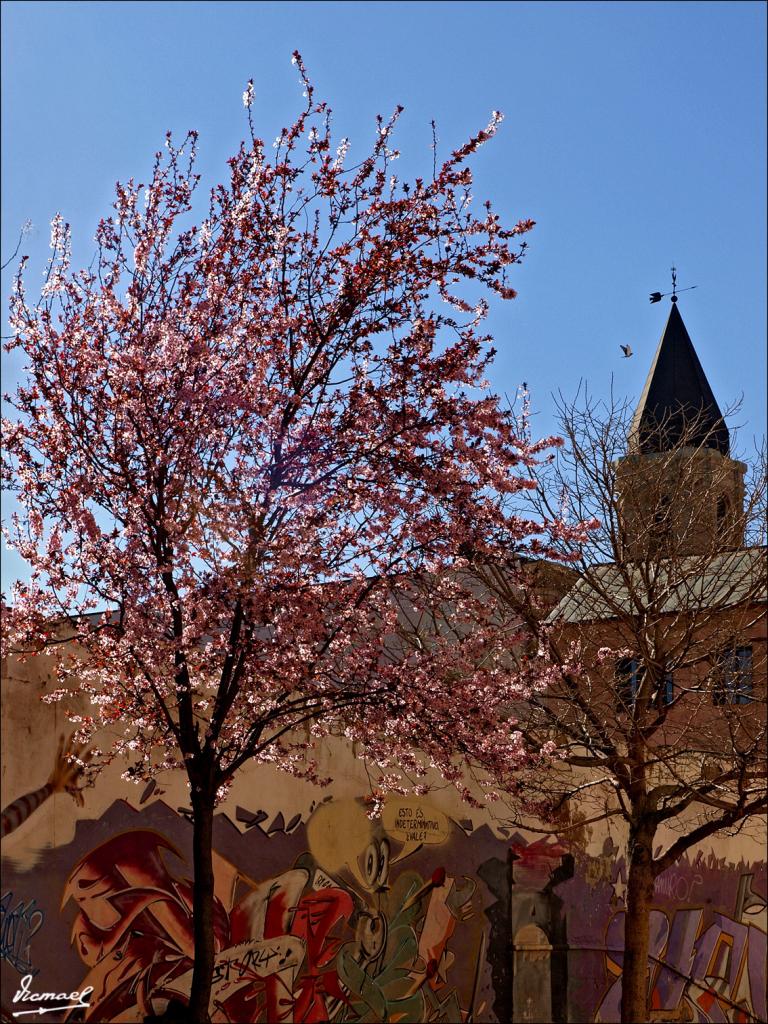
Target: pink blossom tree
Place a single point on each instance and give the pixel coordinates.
(258, 447)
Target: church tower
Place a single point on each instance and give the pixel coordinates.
(679, 491)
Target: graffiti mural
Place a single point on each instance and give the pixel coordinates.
(414, 917)
(705, 965)
(700, 972)
(363, 920)
(335, 938)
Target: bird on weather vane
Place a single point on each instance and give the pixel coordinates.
(658, 296)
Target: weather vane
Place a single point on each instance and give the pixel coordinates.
(658, 296)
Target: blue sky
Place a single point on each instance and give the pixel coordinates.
(635, 136)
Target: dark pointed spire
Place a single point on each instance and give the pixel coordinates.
(677, 399)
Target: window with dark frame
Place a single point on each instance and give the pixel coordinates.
(629, 676)
(666, 693)
(733, 679)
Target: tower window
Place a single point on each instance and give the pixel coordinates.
(660, 524)
(723, 515)
(733, 679)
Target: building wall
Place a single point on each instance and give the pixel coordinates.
(434, 912)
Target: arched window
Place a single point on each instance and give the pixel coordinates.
(532, 984)
(723, 516)
(661, 522)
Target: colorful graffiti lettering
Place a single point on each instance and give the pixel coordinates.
(133, 927)
(344, 935)
(18, 924)
(704, 967)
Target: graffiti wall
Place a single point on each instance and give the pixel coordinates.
(707, 958)
(415, 917)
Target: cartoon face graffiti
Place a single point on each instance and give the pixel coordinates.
(344, 841)
(373, 863)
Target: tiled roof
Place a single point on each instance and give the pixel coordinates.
(609, 590)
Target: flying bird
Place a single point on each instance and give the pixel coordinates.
(626, 350)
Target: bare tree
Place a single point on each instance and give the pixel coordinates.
(658, 689)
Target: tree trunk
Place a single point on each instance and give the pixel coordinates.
(634, 985)
(202, 905)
